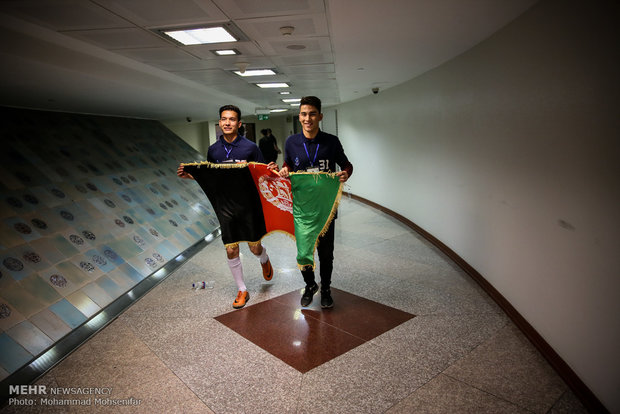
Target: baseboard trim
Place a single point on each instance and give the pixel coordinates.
(579, 388)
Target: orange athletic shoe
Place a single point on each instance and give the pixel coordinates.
(267, 270)
(241, 300)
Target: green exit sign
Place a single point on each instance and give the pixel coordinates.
(263, 117)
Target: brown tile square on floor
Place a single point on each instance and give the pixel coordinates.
(307, 337)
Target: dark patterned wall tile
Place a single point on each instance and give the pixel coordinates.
(13, 355)
(73, 273)
(47, 249)
(63, 245)
(68, 313)
(23, 301)
(37, 286)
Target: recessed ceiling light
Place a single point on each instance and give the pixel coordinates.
(255, 72)
(295, 104)
(226, 52)
(273, 85)
(199, 36)
(291, 100)
(285, 93)
(278, 110)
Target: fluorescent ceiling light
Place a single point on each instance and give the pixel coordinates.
(278, 110)
(295, 104)
(273, 85)
(255, 72)
(291, 100)
(285, 93)
(226, 52)
(201, 35)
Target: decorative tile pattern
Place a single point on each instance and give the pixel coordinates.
(13, 355)
(89, 206)
(30, 337)
(68, 313)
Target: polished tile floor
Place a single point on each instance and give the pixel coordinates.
(308, 337)
(409, 333)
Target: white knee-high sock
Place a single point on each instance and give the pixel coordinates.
(237, 272)
(263, 256)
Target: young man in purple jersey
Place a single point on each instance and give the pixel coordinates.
(232, 148)
(314, 150)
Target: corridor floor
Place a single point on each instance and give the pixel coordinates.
(409, 333)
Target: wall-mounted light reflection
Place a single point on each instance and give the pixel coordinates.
(297, 343)
(45, 361)
(97, 321)
(160, 273)
(179, 258)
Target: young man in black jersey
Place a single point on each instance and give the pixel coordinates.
(231, 147)
(313, 150)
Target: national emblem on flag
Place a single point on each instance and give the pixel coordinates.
(249, 200)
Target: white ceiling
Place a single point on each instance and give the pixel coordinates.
(103, 57)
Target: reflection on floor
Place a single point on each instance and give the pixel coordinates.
(184, 350)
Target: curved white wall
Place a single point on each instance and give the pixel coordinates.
(509, 155)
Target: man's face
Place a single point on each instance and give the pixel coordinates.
(229, 123)
(309, 117)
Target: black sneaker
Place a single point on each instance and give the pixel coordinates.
(326, 299)
(309, 292)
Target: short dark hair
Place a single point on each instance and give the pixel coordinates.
(311, 100)
(231, 108)
(264, 131)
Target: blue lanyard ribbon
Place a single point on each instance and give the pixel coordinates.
(227, 150)
(315, 154)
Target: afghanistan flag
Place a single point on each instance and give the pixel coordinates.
(251, 201)
(315, 201)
